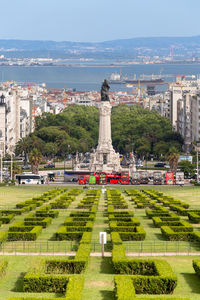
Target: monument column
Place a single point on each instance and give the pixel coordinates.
(105, 159)
(105, 141)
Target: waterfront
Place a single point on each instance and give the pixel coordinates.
(89, 77)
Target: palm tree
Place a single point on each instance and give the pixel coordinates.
(172, 157)
(35, 158)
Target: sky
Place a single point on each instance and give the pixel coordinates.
(98, 20)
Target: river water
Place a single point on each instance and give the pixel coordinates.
(89, 77)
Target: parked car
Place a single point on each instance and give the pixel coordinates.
(49, 166)
(159, 165)
(26, 167)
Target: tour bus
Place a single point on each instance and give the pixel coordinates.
(83, 179)
(169, 178)
(157, 178)
(102, 179)
(92, 179)
(125, 178)
(113, 178)
(135, 178)
(29, 178)
(144, 177)
(179, 178)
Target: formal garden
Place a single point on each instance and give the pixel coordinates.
(50, 246)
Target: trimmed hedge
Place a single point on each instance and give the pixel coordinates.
(165, 221)
(47, 213)
(196, 266)
(74, 288)
(37, 221)
(179, 233)
(5, 219)
(161, 212)
(3, 237)
(38, 283)
(17, 232)
(63, 234)
(124, 290)
(194, 217)
(3, 267)
(149, 276)
(138, 235)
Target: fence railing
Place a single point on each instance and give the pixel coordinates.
(70, 247)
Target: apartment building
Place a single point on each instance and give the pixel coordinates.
(176, 93)
(15, 117)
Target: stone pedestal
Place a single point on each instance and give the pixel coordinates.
(105, 159)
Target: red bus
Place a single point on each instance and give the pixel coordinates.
(169, 178)
(83, 179)
(102, 179)
(114, 178)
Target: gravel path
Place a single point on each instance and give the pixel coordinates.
(106, 254)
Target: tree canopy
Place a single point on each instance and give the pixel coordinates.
(76, 129)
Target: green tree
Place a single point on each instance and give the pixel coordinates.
(160, 149)
(35, 158)
(78, 126)
(50, 149)
(186, 167)
(142, 147)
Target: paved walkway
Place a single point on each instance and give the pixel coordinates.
(106, 254)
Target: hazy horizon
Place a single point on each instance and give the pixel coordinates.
(98, 21)
(130, 38)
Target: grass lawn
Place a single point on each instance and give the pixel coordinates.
(9, 196)
(11, 285)
(98, 278)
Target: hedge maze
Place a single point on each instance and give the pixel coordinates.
(59, 275)
(77, 215)
(139, 276)
(123, 226)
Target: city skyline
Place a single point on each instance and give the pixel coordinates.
(98, 21)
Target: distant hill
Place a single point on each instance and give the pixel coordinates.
(117, 48)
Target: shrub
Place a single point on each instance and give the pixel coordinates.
(178, 233)
(165, 221)
(124, 290)
(196, 266)
(37, 221)
(138, 235)
(148, 276)
(48, 213)
(23, 233)
(3, 237)
(63, 234)
(3, 267)
(194, 217)
(38, 283)
(74, 288)
(6, 218)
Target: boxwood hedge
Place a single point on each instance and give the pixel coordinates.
(124, 290)
(149, 276)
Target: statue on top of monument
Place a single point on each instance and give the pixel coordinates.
(104, 91)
